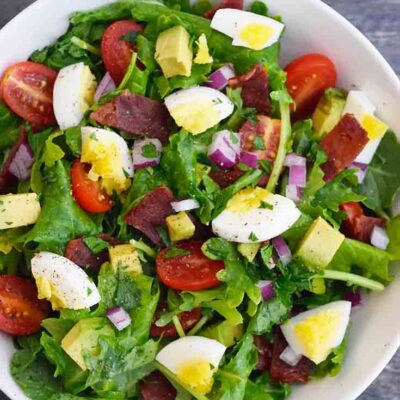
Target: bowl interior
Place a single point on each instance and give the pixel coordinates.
(312, 26)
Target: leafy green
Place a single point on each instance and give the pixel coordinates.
(259, 7)
(176, 252)
(95, 244)
(382, 180)
(9, 127)
(61, 218)
(302, 137)
(333, 364)
(393, 230)
(241, 113)
(73, 139)
(261, 389)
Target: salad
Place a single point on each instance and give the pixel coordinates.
(181, 217)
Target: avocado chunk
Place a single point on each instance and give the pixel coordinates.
(224, 333)
(180, 227)
(328, 112)
(318, 286)
(249, 250)
(125, 256)
(174, 53)
(18, 210)
(319, 245)
(83, 338)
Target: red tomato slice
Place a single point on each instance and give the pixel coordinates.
(88, 193)
(27, 88)
(117, 53)
(157, 387)
(307, 79)
(21, 313)
(193, 272)
(187, 319)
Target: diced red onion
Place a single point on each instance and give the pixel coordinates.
(361, 170)
(119, 317)
(353, 297)
(298, 175)
(106, 85)
(290, 357)
(185, 205)
(267, 290)
(139, 160)
(293, 192)
(293, 160)
(22, 162)
(281, 247)
(396, 205)
(219, 79)
(379, 238)
(224, 149)
(249, 158)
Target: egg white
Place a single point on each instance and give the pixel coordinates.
(67, 278)
(73, 94)
(260, 224)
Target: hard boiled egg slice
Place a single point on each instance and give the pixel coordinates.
(315, 333)
(73, 94)
(254, 215)
(361, 107)
(109, 155)
(247, 29)
(193, 359)
(198, 108)
(63, 283)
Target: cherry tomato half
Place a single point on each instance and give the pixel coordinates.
(27, 88)
(187, 319)
(193, 272)
(307, 79)
(21, 313)
(116, 52)
(88, 193)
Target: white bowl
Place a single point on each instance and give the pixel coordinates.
(312, 26)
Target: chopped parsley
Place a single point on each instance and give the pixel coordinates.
(243, 167)
(95, 244)
(259, 143)
(265, 165)
(234, 138)
(162, 232)
(93, 136)
(149, 151)
(175, 252)
(266, 254)
(126, 174)
(266, 205)
(130, 37)
(253, 237)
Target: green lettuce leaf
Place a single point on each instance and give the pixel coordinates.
(333, 364)
(393, 230)
(9, 127)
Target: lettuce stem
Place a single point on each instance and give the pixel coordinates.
(85, 46)
(178, 326)
(286, 131)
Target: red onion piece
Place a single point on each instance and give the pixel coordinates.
(224, 149)
(139, 160)
(22, 162)
(106, 85)
(219, 79)
(290, 357)
(353, 297)
(281, 247)
(249, 158)
(361, 170)
(379, 238)
(298, 176)
(267, 290)
(119, 317)
(185, 205)
(293, 192)
(293, 160)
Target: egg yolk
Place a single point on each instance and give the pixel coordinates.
(248, 199)
(196, 116)
(88, 88)
(317, 333)
(46, 290)
(203, 54)
(374, 127)
(256, 35)
(106, 164)
(198, 375)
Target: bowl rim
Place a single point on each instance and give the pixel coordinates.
(380, 365)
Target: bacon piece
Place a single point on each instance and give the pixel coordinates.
(135, 114)
(80, 254)
(285, 373)
(157, 387)
(255, 91)
(151, 213)
(342, 145)
(237, 4)
(264, 349)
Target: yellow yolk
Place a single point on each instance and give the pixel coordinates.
(106, 164)
(248, 199)
(47, 291)
(196, 116)
(256, 35)
(317, 333)
(198, 375)
(374, 127)
(203, 54)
